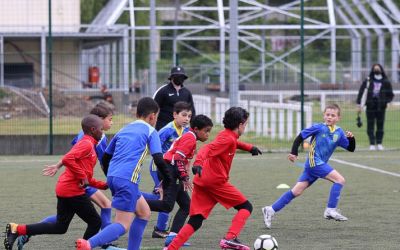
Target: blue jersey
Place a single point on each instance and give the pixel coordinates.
(168, 134)
(129, 147)
(100, 147)
(324, 140)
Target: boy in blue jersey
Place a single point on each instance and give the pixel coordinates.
(325, 137)
(105, 112)
(168, 134)
(122, 162)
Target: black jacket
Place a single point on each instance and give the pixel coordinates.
(385, 94)
(166, 97)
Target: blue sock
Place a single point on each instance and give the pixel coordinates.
(285, 199)
(50, 219)
(105, 217)
(109, 234)
(150, 196)
(334, 196)
(136, 233)
(162, 221)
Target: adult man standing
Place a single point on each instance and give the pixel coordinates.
(169, 94)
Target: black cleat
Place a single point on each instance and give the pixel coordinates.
(161, 234)
(11, 235)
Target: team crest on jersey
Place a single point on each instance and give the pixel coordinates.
(335, 137)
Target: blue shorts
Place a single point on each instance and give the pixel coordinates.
(125, 194)
(90, 191)
(311, 174)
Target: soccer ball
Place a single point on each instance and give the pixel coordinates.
(265, 242)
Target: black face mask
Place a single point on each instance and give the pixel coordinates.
(377, 72)
(178, 80)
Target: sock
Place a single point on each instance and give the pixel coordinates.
(136, 233)
(334, 195)
(109, 234)
(21, 229)
(183, 236)
(105, 217)
(285, 199)
(162, 221)
(238, 223)
(150, 196)
(50, 219)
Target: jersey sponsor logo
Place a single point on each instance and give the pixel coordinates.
(170, 94)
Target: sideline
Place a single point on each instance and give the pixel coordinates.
(365, 167)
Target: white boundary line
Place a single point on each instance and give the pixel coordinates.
(365, 167)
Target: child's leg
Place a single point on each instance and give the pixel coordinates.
(287, 197)
(181, 215)
(338, 182)
(104, 203)
(238, 222)
(187, 231)
(139, 224)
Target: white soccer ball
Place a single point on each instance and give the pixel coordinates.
(265, 242)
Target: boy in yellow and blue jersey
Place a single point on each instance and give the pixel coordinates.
(325, 137)
(168, 134)
(122, 162)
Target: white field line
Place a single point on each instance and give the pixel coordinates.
(365, 167)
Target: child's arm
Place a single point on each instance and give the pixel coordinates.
(352, 141)
(51, 170)
(248, 147)
(295, 148)
(78, 151)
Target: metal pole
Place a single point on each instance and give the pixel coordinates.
(133, 45)
(1, 61)
(175, 56)
(302, 62)
(221, 19)
(153, 49)
(233, 54)
(43, 58)
(125, 61)
(50, 46)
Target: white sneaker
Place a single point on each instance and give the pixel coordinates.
(372, 147)
(268, 213)
(334, 214)
(380, 147)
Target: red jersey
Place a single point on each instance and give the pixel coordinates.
(216, 158)
(79, 163)
(182, 149)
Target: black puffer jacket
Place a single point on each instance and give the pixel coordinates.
(385, 94)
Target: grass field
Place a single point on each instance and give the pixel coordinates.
(370, 199)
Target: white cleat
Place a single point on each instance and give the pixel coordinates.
(268, 213)
(372, 147)
(380, 147)
(334, 214)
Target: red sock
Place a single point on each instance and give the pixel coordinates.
(237, 224)
(21, 229)
(183, 235)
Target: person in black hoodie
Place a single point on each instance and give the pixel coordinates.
(169, 94)
(380, 93)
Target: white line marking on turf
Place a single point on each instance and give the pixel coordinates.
(365, 167)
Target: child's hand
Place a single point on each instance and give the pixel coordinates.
(292, 157)
(349, 134)
(187, 185)
(50, 170)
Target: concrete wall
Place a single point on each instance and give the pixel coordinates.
(31, 15)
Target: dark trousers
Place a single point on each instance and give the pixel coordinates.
(173, 192)
(66, 209)
(378, 117)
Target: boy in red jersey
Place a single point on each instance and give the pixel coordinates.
(211, 185)
(70, 189)
(178, 158)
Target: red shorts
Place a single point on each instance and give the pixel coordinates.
(205, 198)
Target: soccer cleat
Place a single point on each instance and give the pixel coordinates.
(232, 244)
(171, 236)
(159, 233)
(165, 248)
(111, 246)
(268, 213)
(380, 147)
(334, 214)
(11, 235)
(82, 244)
(372, 147)
(22, 240)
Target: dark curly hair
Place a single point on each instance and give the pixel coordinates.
(200, 122)
(235, 116)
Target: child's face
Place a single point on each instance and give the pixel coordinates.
(97, 132)
(107, 123)
(152, 119)
(182, 118)
(242, 127)
(203, 134)
(331, 116)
